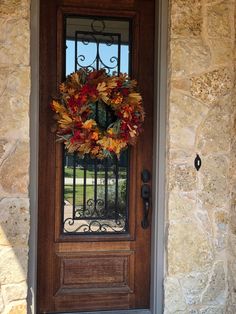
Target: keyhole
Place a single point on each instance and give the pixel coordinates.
(197, 162)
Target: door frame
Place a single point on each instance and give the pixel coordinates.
(159, 171)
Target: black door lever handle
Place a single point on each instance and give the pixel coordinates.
(145, 194)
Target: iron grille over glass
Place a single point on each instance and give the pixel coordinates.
(95, 192)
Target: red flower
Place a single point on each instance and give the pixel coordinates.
(95, 74)
(73, 104)
(88, 91)
(76, 137)
(124, 131)
(119, 84)
(125, 91)
(82, 99)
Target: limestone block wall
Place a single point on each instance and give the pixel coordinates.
(231, 304)
(201, 120)
(14, 153)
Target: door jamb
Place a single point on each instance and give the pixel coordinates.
(159, 173)
(34, 139)
(159, 157)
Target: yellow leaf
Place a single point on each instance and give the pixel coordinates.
(66, 118)
(84, 148)
(101, 87)
(126, 114)
(104, 97)
(132, 133)
(113, 145)
(75, 77)
(65, 121)
(58, 107)
(89, 124)
(71, 91)
(112, 83)
(62, 88)
(136, 97)
(95, 150)
(72, 147)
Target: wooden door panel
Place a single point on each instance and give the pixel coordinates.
(96, 272)
(93, 302)
(95, 246)
(92, 272)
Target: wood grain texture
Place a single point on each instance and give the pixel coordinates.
(83, 273)
(92, 273)
(91, 302)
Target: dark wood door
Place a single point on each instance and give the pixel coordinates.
(92, 268)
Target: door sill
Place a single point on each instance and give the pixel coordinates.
(140, 311)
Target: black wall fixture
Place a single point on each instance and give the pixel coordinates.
(197, 162)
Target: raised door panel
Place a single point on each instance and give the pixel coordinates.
(95, 272)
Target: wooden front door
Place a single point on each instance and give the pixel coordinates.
(93, 236)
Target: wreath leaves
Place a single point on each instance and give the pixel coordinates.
(98, 114)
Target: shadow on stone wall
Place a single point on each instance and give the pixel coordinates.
(14, 229)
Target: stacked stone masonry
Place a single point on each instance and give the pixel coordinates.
(201, 214)
(14, 154)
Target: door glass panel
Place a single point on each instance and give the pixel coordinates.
(95, 192)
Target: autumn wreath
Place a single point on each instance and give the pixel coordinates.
(98, 114)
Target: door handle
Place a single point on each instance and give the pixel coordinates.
(145, 194)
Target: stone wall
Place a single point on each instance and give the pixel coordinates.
(201, 120)
(231, 304)
(14, 153)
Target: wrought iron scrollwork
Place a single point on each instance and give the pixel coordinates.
(94, 218)
(93, 226)
(86, 209)
(93, 209)
(107, 211)
(97, 36)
